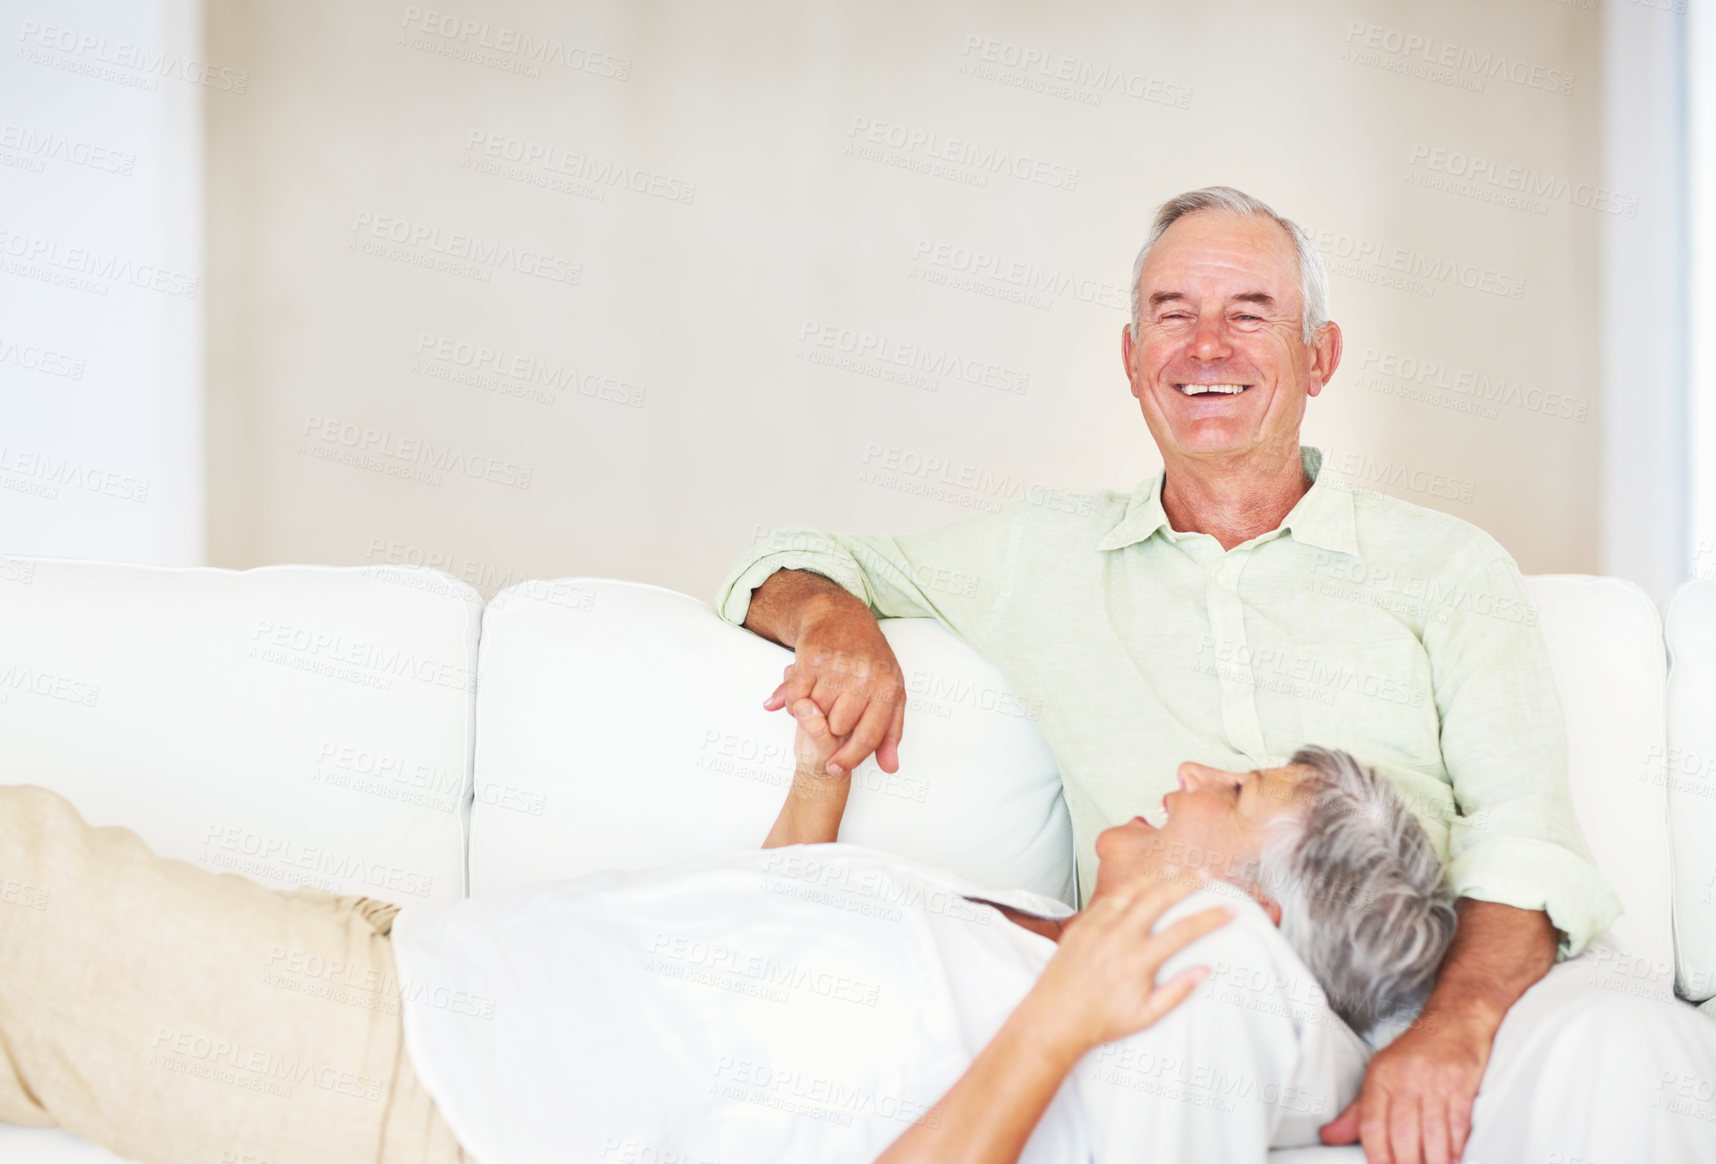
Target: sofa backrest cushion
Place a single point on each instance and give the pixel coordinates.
(621, 726)
(1688, 771)
(302, 725)
(1605, 647)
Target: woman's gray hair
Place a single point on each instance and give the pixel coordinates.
(1313, 280)
(1362, 894)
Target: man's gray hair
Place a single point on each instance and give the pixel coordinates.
(1362, 895)
(1313, 280)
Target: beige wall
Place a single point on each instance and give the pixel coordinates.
(705, 208)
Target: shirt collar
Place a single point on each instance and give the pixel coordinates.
(1322, 518)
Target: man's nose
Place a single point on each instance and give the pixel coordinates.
(1209, 339)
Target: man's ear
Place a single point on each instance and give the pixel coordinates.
(1126, 356)
(1325, 357)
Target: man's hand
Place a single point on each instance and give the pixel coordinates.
(842, 662)
(1416, 1103)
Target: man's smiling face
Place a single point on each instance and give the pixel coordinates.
(1220, 366)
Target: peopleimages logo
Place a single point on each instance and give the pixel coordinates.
(449, 35)
(1406, 370)
(364, 440)
(35, 358)
(524, 374)
(542, 164)
(261, 854)
(1408, 268)
(42, 146)
(950, 480)
(1361, 472)
(982, 160)
(1521, 187)
(1477, 64)
(1028, 278)
(84, 52)
(43, 474)
(87, 268)
(427, 245)
(370, 664)
(1060, 75)
(884, 350)
(48, 685)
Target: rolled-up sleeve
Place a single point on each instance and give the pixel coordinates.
(957, 573)
(1516, 840)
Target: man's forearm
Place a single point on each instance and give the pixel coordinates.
(786, 598)
(1498, 952)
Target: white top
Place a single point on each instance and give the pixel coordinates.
(802, 1003)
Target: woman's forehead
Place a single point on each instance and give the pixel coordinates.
(1283, 783)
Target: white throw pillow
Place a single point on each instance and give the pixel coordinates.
(1605, 649)
(301, 725)
(1688, 769)
(621, 726)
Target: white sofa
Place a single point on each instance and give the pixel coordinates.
(381, 731)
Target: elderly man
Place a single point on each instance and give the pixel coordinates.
(1237, 606)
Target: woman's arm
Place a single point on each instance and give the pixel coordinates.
(816, 801)
(1099, 986)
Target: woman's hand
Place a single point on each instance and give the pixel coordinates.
(1099, 986)
(816, 801)
(1101, 983)
(813, 741)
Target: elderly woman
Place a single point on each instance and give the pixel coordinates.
(809, 1001)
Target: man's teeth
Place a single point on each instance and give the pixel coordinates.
(1203, 389)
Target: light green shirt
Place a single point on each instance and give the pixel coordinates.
(1397, 633)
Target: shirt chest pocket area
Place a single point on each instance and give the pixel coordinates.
(1373, 699)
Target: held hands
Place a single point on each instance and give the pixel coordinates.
(812, 745)
(844, 665)
(1101, 983)
(816, 800)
